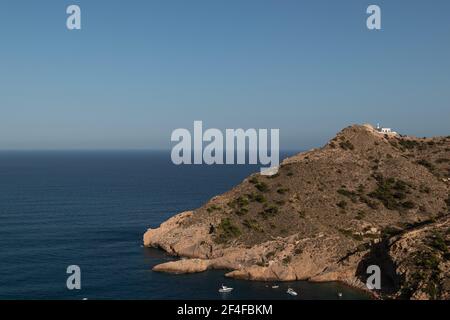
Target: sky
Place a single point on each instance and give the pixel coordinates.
(139, 69)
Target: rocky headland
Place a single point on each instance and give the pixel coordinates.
(364, 198)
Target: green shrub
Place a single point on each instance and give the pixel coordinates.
(269, 211)
(408, 205)
(360, 215)
(394, 144)
(390, 232)
(287, 260)
(240, 205)
(212, 208)
(226, 231)
(342, 204)
(432, 290)
(253, 180)
(426, 164)
(370, 203)
(256, 197)
(349, 194)
(361, 189)
(261, 186)
(260, 198)
(442, 160)
(346, 145)
(241, 201)
(427, 260)
(425, 189)
(350, 234)
(282, 190)
(408, 144)
(241, 211)
(363, 247)
(391, 192)
(252, 225)
(437, 241)
(270, 255)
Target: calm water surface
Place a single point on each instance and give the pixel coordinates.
(92, 208)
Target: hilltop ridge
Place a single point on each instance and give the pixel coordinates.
(363, 198)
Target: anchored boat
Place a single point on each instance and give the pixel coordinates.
(291, 292)
(225, 289)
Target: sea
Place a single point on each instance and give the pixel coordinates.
(91, 209)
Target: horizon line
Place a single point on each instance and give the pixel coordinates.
(115, 150)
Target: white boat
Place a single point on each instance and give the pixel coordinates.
(291, 292)
(225, 289)
(275, 286)
(340, 294)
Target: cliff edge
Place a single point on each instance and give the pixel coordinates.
(364, 198)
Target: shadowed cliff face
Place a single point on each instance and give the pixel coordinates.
(378, 254)
(325, 216)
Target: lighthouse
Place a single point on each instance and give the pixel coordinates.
(385, 130)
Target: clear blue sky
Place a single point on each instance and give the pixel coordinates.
(139, 69)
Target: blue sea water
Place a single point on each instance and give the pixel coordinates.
(91, 209)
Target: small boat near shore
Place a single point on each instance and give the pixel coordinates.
(275, 286)
(225, 289)
(291, 292)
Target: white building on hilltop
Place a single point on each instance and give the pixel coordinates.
(385, 130)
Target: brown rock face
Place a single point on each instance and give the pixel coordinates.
(364, 198)
(174, 239)
(183, 266)
(422, 258)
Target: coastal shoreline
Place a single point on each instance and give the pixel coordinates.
(326, 216)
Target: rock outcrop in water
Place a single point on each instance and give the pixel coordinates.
(364, 198)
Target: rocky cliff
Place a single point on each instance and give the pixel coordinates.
(364, 198)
